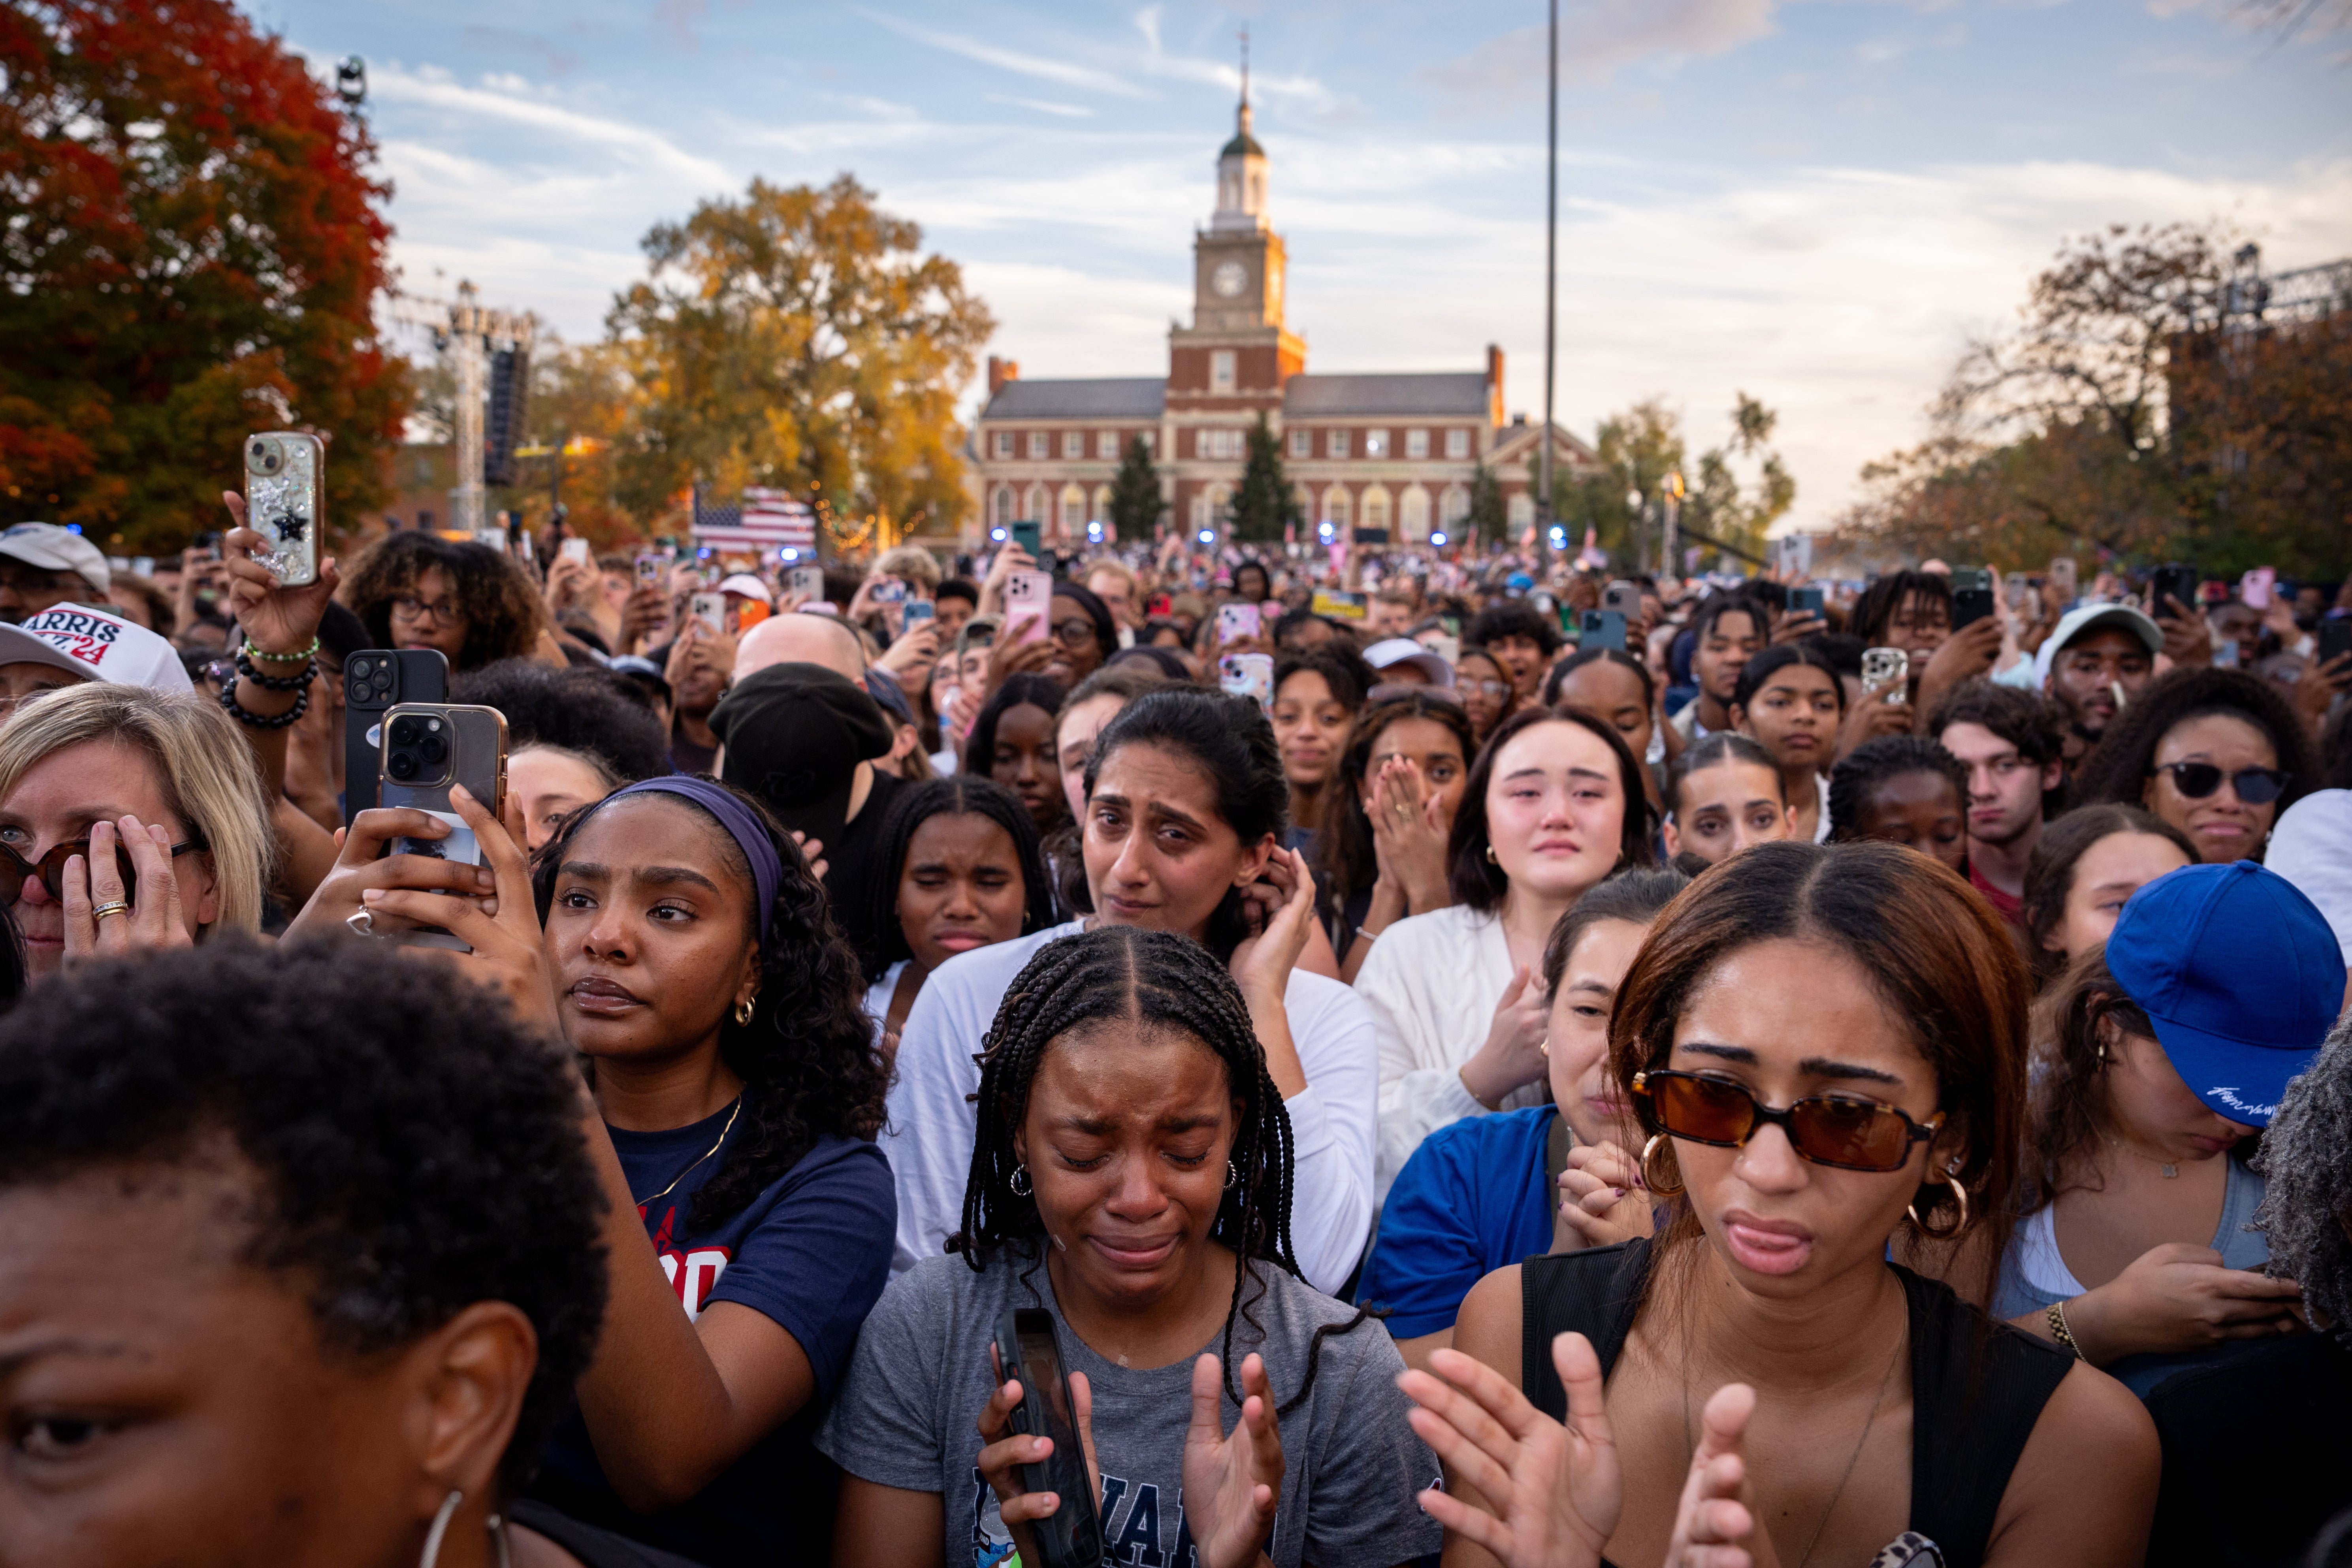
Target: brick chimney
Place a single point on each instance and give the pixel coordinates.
(1494, 383)
(1001, 370)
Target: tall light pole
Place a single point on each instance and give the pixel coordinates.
(1552, 247)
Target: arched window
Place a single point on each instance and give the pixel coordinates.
(1073, 510)
(1335, 507)
(1033, 505)
(1413, 511)
(1521, 511)
(1002, 504)
(1376, 507)
(1454, 506)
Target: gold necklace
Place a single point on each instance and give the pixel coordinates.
(706, 1154)
(2171, 1170)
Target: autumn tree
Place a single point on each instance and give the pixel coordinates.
(1489, 518)
(190, 241)
(1639, 447)
(1263, 505)
(798, 339)
(1136, 504)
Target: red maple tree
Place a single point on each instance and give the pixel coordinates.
(190, 241)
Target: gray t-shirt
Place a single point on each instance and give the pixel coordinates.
(906, 1418)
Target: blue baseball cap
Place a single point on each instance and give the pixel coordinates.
(2239, 974)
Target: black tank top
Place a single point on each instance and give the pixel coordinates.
(1977, 1386)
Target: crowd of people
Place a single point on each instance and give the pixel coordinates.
(1766, 1073)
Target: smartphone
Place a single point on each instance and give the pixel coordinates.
(1027, 1348)
(2254, 587)
(1445, 645)
(1624, 597)
(375, 679)
(1028, 600)
(651, 566)
(1971, 595)
(574, 550)
(428, 747)
(1237, 620)
(1249, 675)
(1025, 534)
(491, 539)
(1806, 601)
(808, 581)
(2017, 587)
(2062, 577)
(284, 502)
(1602, 628)
(2177, 583)
(919, 610)
(2335, 637)
(1886, 669)
(711, 609)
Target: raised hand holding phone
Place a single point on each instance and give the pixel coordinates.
(1039, 1452)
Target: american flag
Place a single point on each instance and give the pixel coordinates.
(766, 520)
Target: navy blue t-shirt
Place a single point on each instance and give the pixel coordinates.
(1470, 1200)
(812, 1252)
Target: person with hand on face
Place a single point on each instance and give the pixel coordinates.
(1903, 789)
(1487, 694)
(230, 1339)
(1728, 630)
(2218, 753)
(962, 854)
(2086, 869)
(2006, 740)
(131, 821)
(2169, 1051)
(1182, 830)
(1726, 794)
(1012, 743)
(1617, 687)
(1487, 1191)
(1131, 1175)
(700, 666)
(1317, 697)
(1552, 805)
(1820, 1044)
(1381, 855)
(42, 564)
(1790, 702)
(2095, 653)
(1519, 638)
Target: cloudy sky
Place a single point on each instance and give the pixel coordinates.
(1812, 201)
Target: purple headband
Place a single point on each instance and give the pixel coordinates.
(750, 835)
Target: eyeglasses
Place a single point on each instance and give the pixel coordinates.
(1487, 687)
(2255, 786)
(442, 612)
(1074, 632)
(51, 867)
(1851, 1134)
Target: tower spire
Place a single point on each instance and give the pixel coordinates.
(1242, 116)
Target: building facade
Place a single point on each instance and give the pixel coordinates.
(1396, 453)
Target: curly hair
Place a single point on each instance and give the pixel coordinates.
(503, 611)
(1481, 883)
(2050, 870)
(1149, 980)
(2119, 769)
(413, 1148)
(807, 1058)
(2307, 1164)
(1871, 764)
(1513, 618)
(958, 794)
(1345, 863)
(589, 712)
(1874, 611)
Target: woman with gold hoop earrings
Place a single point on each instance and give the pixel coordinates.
(1825, 1047)
(2170, 1045)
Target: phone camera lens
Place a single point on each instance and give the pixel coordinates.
(432, 748)
(401, 765)
(360, 666)
(406, 731)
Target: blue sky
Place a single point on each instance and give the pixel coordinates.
(1814, 200)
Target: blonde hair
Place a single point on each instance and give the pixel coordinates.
(1106, 566)
(911, 563)
(203, 770)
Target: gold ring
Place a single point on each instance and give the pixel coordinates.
(119, 906)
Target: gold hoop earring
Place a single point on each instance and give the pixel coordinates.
(743, 1012)
(1960, 1196)
(1658, 1188)
(1491, 860)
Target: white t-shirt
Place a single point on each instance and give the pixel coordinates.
(878, 994)
(1431, 981)
(2312, 848)
(928, 1134)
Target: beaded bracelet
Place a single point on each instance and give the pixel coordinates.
(2058, 1331)
(296, 657)
(229, 705)
(244, 666)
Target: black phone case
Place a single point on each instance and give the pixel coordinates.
(1071, 1537)
(2335, 637)
(1970, 605)
(376, 679)
(2175, 583)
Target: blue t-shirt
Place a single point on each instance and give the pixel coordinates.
(812, 1252)
(1471, 1199)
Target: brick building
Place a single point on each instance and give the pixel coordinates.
(1394, 452)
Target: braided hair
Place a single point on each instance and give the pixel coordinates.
(807, 1057)
(1148, 979)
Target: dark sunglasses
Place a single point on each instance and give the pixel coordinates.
(1851, 1134)
(2255, 786)
(51, 867)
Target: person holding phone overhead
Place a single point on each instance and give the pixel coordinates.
(1130, 1177)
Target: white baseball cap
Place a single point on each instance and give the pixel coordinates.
(95, 645)
(55, 549)
(1395, 651)
(747, 586)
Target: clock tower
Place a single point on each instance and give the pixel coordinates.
(1236, 354)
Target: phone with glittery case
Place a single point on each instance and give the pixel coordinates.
(285, 501)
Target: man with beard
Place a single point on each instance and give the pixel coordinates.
(2094, 650)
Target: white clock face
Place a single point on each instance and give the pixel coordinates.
(1230, 278)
